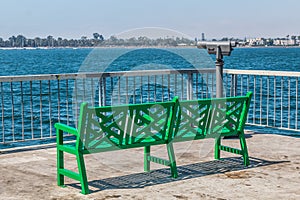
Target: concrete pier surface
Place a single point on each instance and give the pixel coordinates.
(274, 172)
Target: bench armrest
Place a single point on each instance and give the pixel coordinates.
(66, 128)
(60, 128)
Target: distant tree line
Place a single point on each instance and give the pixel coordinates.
(97, 39)
(21, 41)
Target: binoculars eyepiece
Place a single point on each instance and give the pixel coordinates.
(226, 47)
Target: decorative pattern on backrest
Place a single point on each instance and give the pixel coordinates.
(118, 126)
(104, 127)
(149, 123)
(225, 116)
(212, 117)
(193, 118)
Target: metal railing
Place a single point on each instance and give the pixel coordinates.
(275, 96)
(30, 105)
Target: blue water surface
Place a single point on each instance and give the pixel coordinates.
(276, 59)
(68, 60)
(41, 61)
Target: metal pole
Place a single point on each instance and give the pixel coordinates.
(220, 49)
(219, 73)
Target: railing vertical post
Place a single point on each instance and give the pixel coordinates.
(67, 101)
(268, 99)
(92, 92)
(31, 111)
(58, 100)
(219, 73)
(212, 85)
(148, 79)
(50, 107)
(100, 96)
(281, 102)
(119, 90)
(232, 85)
(274, 113)
(162, 88)
(104, 91)
(12, 111)
(126, 88)
(22, 109)
(189, 95)
(289, 102)
(296, 112)
(254, 99)
(261, 100)
(142, 90)
(235, 85)
(41, 109)
(112, 90)
(2, 112)
(169, 86)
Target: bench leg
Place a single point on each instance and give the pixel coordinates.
(244, 149)
(146, 160)
(60, 158)
(82, 174)
(60, 165)
(217, 148)
(172, 160)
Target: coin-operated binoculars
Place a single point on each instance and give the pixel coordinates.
(220, 49)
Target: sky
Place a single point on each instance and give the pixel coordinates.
(215, 18)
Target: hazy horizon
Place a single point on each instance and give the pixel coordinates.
(217, 19)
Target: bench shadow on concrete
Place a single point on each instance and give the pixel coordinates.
(161, 176)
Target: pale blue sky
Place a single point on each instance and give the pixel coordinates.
(216, 18)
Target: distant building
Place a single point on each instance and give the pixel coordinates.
(256, 42)
(182, 44)
(276, 42)
(203, 37)
(285, 42)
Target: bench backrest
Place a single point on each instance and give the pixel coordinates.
(125, 126)
(211, 117)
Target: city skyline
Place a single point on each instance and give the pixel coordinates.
(73, 19)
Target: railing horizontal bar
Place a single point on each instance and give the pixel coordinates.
(262, 72)
(279, 128)
(142, 73)
(101, 74)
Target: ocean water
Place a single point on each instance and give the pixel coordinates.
(277, 59)
(57, 61)
(41, 61)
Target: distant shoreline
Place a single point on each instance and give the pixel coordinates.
(279, 47)
(97, 47)
(129, 47)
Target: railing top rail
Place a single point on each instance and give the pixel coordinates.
(103, 74)
(141, 73)
(262, 72)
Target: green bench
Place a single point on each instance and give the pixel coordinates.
(113, 128)
(108, 128)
